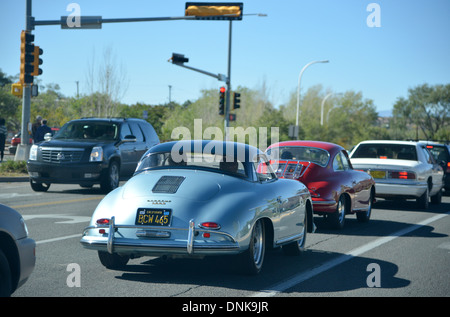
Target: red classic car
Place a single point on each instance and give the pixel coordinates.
(336, 188)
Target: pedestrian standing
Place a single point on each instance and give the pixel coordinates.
(42, 131)
(35, 126)
(3, 133)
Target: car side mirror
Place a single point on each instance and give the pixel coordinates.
(47, 136)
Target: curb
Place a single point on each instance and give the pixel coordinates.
(14, 179)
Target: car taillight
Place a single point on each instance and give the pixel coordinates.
(402, 175)
(313, 192)
(102, 221)
(210, 225)
(448, 167)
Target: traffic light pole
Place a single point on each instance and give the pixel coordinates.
(228, 82)
(23, 149)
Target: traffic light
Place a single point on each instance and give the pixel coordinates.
(37, 61)
(26, 57)
(236, 100)
(215, 10)
(178, 59)
(222, 101)
(232, 117)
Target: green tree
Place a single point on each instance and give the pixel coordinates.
(424, 113)
(9, 104)
(156, 115)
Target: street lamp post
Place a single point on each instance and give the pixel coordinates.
(323, 104)
(298, 86)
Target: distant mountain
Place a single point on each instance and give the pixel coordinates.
(385, 113)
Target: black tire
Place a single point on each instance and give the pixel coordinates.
(364, 216)
(5, 276)
(437, 199)
(39, 187)
(251, 261)
(111, 177)
(424, 200)
(297, 247)
(337, 218)
(113, 261)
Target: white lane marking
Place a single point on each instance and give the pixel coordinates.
(17, 195)
(70, 219)
(299, 278)
(78, 235)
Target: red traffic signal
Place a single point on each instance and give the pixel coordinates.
(222, 101)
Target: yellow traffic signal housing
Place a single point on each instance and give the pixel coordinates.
(37, 61)
(215, 10)
(26, 57)
(16, 89)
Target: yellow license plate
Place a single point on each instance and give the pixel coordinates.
(378, 174)
(153, 217)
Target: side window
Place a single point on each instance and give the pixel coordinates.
(337, 163)
(428, 156)
(264, 172)
(149, 133)
(125, 130)
(137, 132)
(345, 162)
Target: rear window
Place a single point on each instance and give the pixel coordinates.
(300, 153)
(386, 151)
(440, 153)
(204, 161)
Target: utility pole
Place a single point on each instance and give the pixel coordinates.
(228, 82)
(23, 149)
(170, 94)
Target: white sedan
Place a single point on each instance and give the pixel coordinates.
(401, 169)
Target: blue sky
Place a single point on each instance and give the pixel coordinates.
(411, 47)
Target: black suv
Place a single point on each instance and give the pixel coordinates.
(441, 153)
(90, 151)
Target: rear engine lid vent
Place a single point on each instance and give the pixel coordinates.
(168, 184)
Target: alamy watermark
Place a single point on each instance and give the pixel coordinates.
(74, 278)
(374, 278)
(374, 18)
(256, 137)
(74, 18)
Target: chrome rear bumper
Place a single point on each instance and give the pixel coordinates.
(156, 241)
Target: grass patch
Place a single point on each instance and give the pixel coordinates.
(12, 168)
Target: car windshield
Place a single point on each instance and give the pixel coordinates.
(386, 151)
(88, 130)
(300, 153)
(205, 161)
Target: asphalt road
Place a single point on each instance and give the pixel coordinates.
(401, 251)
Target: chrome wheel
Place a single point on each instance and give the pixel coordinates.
(251, 261)
(258, 244)
(338, 217)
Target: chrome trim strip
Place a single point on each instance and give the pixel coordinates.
(109, 245)
(190, 241)
(288, 239)
(161, 228)
(324, 202)
(59, 149)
